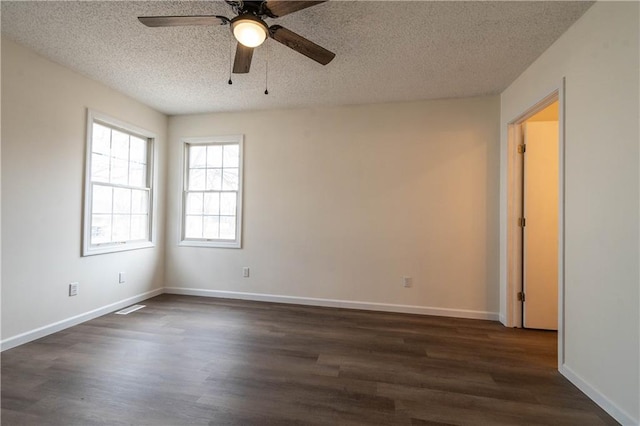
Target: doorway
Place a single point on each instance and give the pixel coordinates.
(529, 305)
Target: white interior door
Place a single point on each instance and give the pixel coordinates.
(540, 274)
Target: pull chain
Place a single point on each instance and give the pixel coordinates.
(266, 73)
(230, 60)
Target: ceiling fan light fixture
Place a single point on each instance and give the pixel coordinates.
(249, 30)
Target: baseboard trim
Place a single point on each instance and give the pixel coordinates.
(333, 303)
(605, 403)
(40, 332)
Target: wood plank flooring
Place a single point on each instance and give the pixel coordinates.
(191, 360)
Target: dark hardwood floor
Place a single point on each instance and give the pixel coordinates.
(191, 360)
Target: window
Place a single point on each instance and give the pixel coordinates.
(212, 197)
(119, 192)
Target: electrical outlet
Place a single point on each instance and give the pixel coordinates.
(245, 272)
(407, 282)
(121, 278)
(73, 289)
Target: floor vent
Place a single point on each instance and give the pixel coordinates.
(130, 309)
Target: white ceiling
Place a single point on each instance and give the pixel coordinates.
(385, 51)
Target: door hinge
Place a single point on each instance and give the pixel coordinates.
(522, 149)
(522, 222)
(520, 296)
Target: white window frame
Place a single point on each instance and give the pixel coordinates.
(87, 248)
(214, 243)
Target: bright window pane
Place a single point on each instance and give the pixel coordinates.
(231, 155)
(139, 201)
(214, 156)
(101, 199)
(121, 200)
(211, 227)
(228, 203)
(214, 179)
(194, 203)
(230, 180)
(139, 227)
(119, 171)
(196, 180)
(193, 227)
(101, 142)
(197, 157)
(120, 145)
(99, 168)
(138, 150)
(100, 228)
(121, 227)
(227, 228)
(212, 203)
(137, 173)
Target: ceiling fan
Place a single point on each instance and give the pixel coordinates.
(250, 29)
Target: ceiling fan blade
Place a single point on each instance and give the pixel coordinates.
(301, 44)
(277, 8)
(242, 62)
(178, 21)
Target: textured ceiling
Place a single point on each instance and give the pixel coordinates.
(385, 51)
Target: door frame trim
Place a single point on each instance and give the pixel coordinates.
(513, 317)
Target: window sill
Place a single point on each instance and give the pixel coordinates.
(210, 244)
(90, 251)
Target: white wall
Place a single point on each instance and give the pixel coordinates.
(340, 203)
(43, 147)
(598, 56)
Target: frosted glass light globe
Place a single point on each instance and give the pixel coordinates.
(249, 32)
